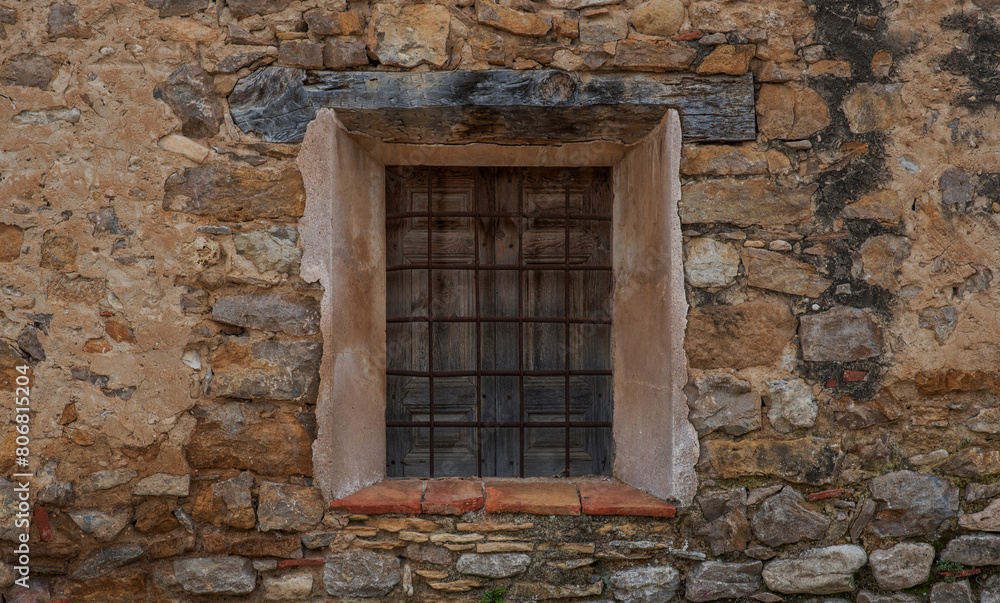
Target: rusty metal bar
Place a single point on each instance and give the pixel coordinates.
(510, 424)
(503, 373)
(553, 320)
(518, 267)
(493, 214)
(521, 224)
(566, 352)
(477, 183)
(430, 322)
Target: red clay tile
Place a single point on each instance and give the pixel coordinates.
(43, 524)
(538, 498)
(296, 562)
(452, 497)
(610, 498)
(390, 496)
(829, 494)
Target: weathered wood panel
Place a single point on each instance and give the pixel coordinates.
(495, 106)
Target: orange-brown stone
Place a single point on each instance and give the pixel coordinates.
(119, 332)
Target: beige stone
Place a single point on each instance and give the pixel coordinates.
(841, 69)
(886, 206)
(710, 264)
(411, 35)
(872, 107)
(510, 20)
(789, 113)
(780, 272)
(181, 30)
(879, 260)
(658, 17)
(182, 145)
(457, 586)
(791, 17)
(723, 160)
(728, 59)
(643, 55)
(772, 72)
(881, 63)
(806, 460)
(744, 203)
(987, 520)
(741, 336)
(604, 27)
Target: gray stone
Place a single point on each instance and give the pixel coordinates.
(603, 28)
(500, 565)
(272, 370)
(744, 203)
(7, 575)
(954, 592)
(710, 264)
(990, 590)
(786, 518)
(50, 490)
(216, 575)
(823, 571)
(190, 93)
(912, 503)
(360, 574)
(177, 8)
(28, 70)
(319, 540)
(956, 188)
(986, 420)
(870, 597)
(714, 504)
(791, 405)
(292, 314)
(720, 402)
(105, 221)
(840, 334)
(63, 23)
(291, 587)
(987, 520)
(973, 550)
(163, 484)
(714, 580)
(940, 320)
(428, 553)
(976, 491)
(242, 9)
(102, 562)
(342, 54)
(46, 117)
(650, 584)
(781, 272)
(729, 532)
(288, 507)
(29, 343)
(902, 566)
(102, 526)
(38, 591)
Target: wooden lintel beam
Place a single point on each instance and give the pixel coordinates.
(495, 106)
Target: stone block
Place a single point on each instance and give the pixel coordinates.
(360, 574)
(216, 575)
(721, 402)
(267, 370)
(710, 264)
(841, 334)
(288, 313)
(235, 193)
(912, 503)
(499, 565)
(740, 336)
(410, 35)
(744, 203)
(902, 566)
(713, 580)
(288, 507)
(822, 571)
(789, 113)
(645, 584)
(806, 460)
(786, 518)
(781, 272)
(652, 55)
(190, 93)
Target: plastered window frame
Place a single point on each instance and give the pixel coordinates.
(343, 236)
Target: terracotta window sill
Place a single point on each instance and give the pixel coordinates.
(537, 497)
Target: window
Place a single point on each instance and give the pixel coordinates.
(499, 288)
(343, 233)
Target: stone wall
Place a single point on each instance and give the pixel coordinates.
(842, 337)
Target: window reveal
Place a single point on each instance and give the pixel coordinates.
(499, 287)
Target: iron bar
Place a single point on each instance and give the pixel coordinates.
(512, 267)
(509, 424)
(552, 320)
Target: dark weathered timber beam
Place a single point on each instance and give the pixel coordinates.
(498, 106)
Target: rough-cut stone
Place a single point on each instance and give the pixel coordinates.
(841, 334)
(741, 336)
(790, 114)
(500, 565)
(342, 54)
(823, 571)
(29, 343)
(292, 314)
(246, 436)
(216, 575)
(990, 590)
(869, 597)
(728, 59)
(653, 55)
(804, 460)
(786, 518)
(228, 502)
(940, 320)
(58, 252)
(28, 70)
(267, 370)
(886, 206)
(267, 545)
(11, 238)
(647, 584)
(956, 188)
(723, 160)
(289, 507)
(100, 525)
(44, 118)
(902, 566)
(273, 249)
(658, 17)
(102, 562)
(334, 23)
(744, 203)
(235, 193)
(973, 550)
(428, 553)
(935, 383)
(162, 484)
(710, 264)
(879, 259)
(713, 580)
(290, 587)
(974, 462)
(510, 20)
(305, 54)
(954, 592)
(780, 272)
(727, 529)
(242, 9)
(541, 591)
(872, 107)
(721, 402)
(177, 8)
(912, 503)
(111, 589)
(409, 36)
(987, 520)
(786, 18)
(603, 27)
(791, 405)
(63, 23)
(859, 414)
(360, 574)
(190, 93)
(9, 530)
